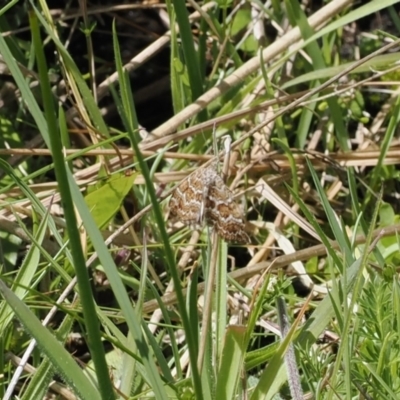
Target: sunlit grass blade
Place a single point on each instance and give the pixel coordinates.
(170, 261)
(230, 367)
(191, 59)
(40, 380)
(83, 94)
(221, 301)
(92, 326)
(60, 358)
(23, 280)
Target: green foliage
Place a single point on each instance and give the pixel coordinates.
(105, 201)
(165, 312)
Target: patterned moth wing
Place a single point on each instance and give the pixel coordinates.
(224, 214)
(188, 200)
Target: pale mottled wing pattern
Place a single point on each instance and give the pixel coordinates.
(188, 200)
(224, 214)
(204, 197)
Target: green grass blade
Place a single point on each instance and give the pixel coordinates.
(231, 364)
(60, 358)
(221, 298)
(313, 50)
(118, 288)
(337, 230)
(92, 325)
(313, 328)
(87, 97)
(169, 257)
(23, 281)
(191, 59)
(38, 385)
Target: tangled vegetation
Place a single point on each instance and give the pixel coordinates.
(107, 108)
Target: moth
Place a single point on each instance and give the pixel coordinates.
(203, 198)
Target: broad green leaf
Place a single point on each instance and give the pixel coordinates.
(105, 201)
